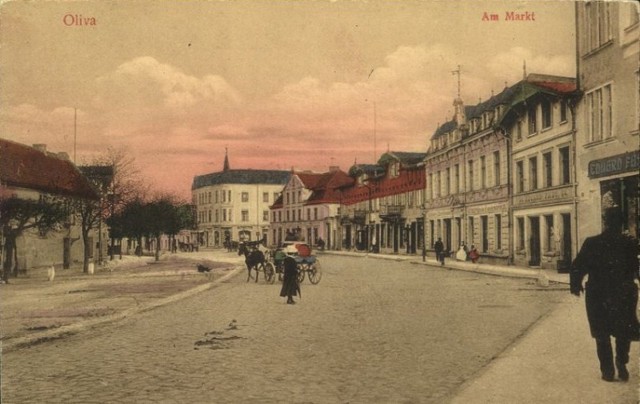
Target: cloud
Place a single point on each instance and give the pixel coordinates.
(509, 65)
(145, 82)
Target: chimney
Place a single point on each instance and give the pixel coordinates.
(41, 147)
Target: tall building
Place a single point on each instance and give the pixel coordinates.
(479, 161)
(233, 204)
(608, 116)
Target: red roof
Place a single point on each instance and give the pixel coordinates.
(25, 167)
(325, 187)
(560, 87)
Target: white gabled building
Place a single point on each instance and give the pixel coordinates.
(308, 208)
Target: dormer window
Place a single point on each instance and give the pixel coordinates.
(394, 169)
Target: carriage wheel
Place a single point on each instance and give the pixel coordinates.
(269, 272)
(314, 273)
(302, 270)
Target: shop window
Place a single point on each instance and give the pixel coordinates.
(549, 233)
(520, 235)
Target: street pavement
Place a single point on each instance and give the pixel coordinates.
(554, 361)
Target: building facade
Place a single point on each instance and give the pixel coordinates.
(384, 210)
(608, 117)
(33, 173)
(540, 125)
(308, 207)
(233, 205)
(478, 164)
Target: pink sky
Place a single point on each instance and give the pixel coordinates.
(279, 84)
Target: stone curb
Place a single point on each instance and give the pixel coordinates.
(70, 329)
(513, 272)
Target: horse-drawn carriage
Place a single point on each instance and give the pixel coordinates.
(271, 262)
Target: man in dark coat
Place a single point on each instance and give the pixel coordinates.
(439, 247)
(290, 285)
(611, 262)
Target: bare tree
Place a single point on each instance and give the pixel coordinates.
(127, 185)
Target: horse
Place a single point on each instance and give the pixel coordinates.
(253, 258)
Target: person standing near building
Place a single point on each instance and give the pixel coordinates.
(290, 284)
(439, 247)
(610, 260)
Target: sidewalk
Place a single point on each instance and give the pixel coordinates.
(34, 309)
(553, 362)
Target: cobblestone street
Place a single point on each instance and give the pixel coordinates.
(370, 331)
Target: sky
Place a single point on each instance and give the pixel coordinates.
(279, 84)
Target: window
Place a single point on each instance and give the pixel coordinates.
(597, 23)
(288, 216)
(315, 213)
(265, 197)
(224, 215)
(483, 172)
(485, 233)
(245, 197)
(533, 173)
(217, 214)
(471, 242)
(447, 181)
(498, 225)
(519, 176)
(519, 130)
(394, 169)
(599, 114)
(565, 173)
(209, 197)
(563, 111)
(456, 171)
(229, 196)
(216, 196)
(293, 215)
(209, 216)
(430, 186)
(533, 124)
(549, 236)
(520, 222)
(470, 165)
(245, 215)
(265, 215)
(496, 168)
(547, 170)
(545, 105)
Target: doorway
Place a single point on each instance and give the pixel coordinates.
(534, 241)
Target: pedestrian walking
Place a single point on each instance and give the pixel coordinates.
(610, 260)
(474, 255)
(439, 247)
(290, 284)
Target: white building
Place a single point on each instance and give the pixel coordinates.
(233, 205)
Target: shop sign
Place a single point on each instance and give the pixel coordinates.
(621, 163)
